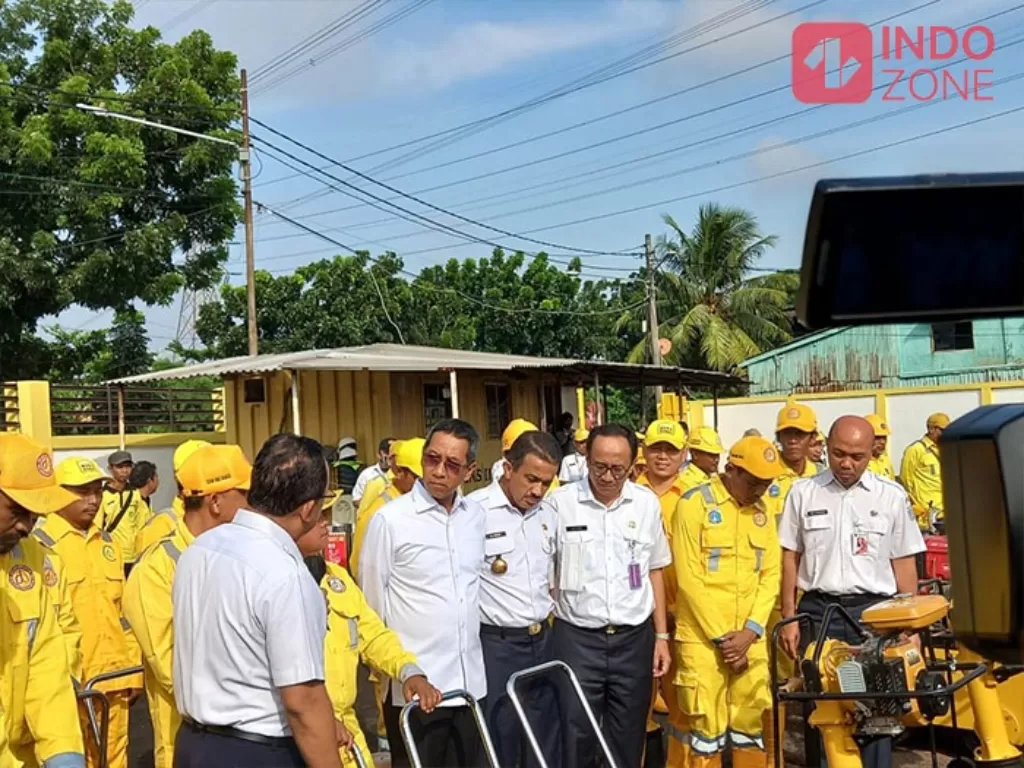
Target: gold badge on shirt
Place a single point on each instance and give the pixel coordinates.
(760, 519)
(336, 584)
(499, 566)
(108, 552)
(22, 578)
(49, 577)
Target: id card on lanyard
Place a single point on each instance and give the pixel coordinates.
(635, 581)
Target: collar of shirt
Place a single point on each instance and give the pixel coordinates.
(677, 485)
(809, 470)
(930, 444)
(586, 494)
(722, 495)
(422, 501)
(496, 499)
(57, 527)
(867, 481)
(266, 526)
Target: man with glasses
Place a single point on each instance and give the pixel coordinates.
(420, 568)
(610, 610)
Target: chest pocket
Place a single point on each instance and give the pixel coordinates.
(818, 531)
(344, 621)
(718, 550)
(758, 543)
(23, 608)
(875, 530)
(572, 564)
(498, 543)
(635, 544)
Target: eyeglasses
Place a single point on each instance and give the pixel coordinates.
(617, 471)
(452, 467)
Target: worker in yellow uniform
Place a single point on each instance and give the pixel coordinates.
(705, 447)
(921, 473)
(56, 580)
(664, 449)
(356, 633)
(95, 574)
(880, 462)
(379, 484)
(214, 481)
(120, 514)
(727, 559)
(164, 522)
(38, 711)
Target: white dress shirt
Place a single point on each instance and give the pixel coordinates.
(526, 542)
(595, 547)
(248, 619)
(372, 472)
(848, 536)
(497, 469)
(421, 573)
(573, 469)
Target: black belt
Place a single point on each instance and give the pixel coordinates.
(847, 601)
(533, 630)
(608, 629)
(234, 733)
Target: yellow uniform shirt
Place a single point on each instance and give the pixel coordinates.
(148, 608)
(363, 518)
(95, 575)
(921, 475)
(669, 500)
(882, 466)
(37, 697)
(136, 514)
(693, 476)
(775, 499)
(159, 526)
(354, 632)
(727, 560)
(57, 582)
(373, 489)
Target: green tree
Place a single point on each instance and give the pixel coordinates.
(711, 305)
(97, 207)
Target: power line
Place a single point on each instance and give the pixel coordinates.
(188, 13)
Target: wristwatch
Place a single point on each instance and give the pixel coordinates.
(662, 636)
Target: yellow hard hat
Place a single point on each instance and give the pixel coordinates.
(939, 420)
(513, 431)
(880, 428)
(410, 455)
(76, 471)
(582, 435)
(666, 431)
(797, 416)
(757, 456)
(705, 439)
(186, 449)
(215, 469)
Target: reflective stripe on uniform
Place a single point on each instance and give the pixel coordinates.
(759, 554)
(745, 741)
(705, 745)
(106, 536)
(33, 625)
(43, 537)
(125, 625)
(704, 489)
(172, 551)
(675, 733)
(714, 557)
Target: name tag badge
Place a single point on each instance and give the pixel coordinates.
(575, 528)
(859, 545)
(817, 512)
(495, 535)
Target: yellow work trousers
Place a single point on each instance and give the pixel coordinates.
(163, 714)
(677, 726)
(117, 732)
(352, 723)
(718, 707)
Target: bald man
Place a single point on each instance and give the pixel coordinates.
(849, 537)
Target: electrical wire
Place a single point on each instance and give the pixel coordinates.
(188, 13)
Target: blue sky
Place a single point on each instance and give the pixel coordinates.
(457, 61)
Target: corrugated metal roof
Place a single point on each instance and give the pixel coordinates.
(402, 358)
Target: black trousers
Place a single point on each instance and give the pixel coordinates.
(446, 738)
(875, 752)
(194, 748)
(614, 669)
(506, 652)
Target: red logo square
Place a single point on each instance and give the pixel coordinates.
(832, 62)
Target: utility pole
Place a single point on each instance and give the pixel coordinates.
(250, 255)
(652, 317)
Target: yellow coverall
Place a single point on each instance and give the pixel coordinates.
(727, 560)
(921, 475)
(37, 697)
(149, 609)
(882, 466)
(135, 516)
(355, 632)
(56, 580)
(95, 575)
(159, 526)
(693, 476)
(363, 517)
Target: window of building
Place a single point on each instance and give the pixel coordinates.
(498, 415)
(437, 404)
(948, 337)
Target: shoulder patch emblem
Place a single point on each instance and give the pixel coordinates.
(22, 578)
(760, 519)
(715, 517)
(335, 584)
(108, 553)
(49, 577)
(773, 491)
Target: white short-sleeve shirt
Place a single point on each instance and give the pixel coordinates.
(368, 475)
(596, 547)
(248, 619)
(573, 469)
(420, 567)
(849, 536)
(525, 541)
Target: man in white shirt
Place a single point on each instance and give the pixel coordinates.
(848, 537)
(380, 469)
(574, 466)
(420, 566)
(611, 625)
(249, 626)
(515, 596)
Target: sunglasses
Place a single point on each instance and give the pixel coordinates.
(433, 460)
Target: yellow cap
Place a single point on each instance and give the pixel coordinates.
(393, 448)
(582, 435)
(797, 416)
(666, 431)
(77, 471)
(331, 499)
(410, 455)
(939, 420)
(880, 427)
(705, 439)
(513, 431)
(757, 456)
(27, 476)
(215, 469)
(186, 449)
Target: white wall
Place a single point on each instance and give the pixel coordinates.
(909, 412)
(161, 455)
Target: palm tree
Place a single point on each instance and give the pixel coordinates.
(713, 310)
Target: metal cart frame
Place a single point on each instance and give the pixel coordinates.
(478, 717)
(88, 694)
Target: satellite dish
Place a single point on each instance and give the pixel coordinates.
(665, 346)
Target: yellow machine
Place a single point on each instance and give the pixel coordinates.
(888, 683)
